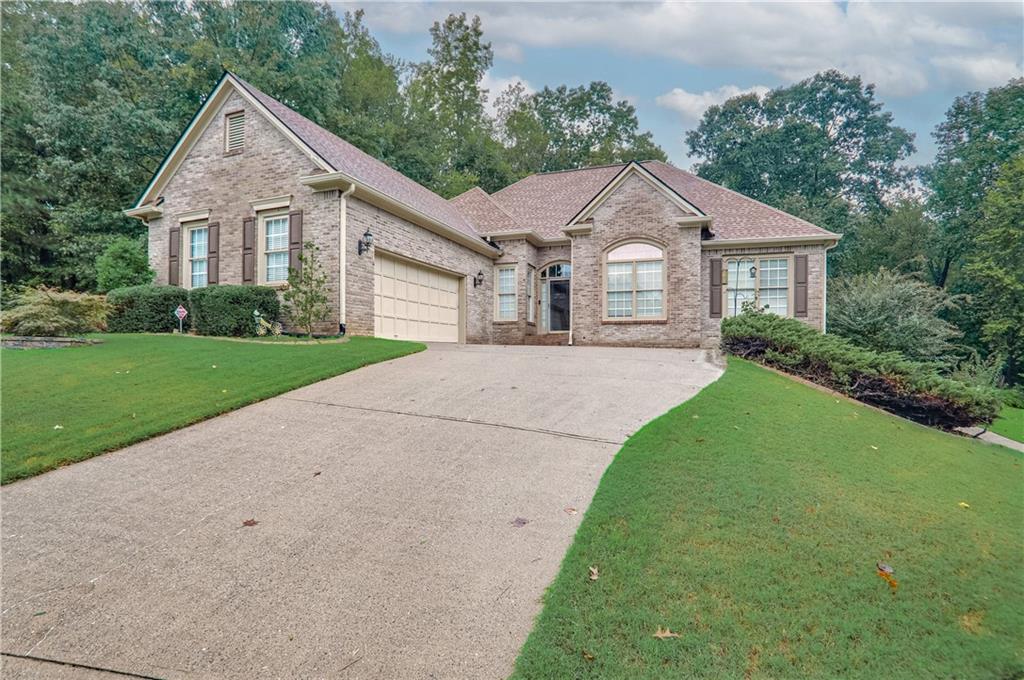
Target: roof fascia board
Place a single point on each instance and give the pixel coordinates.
(774, 241)
(396, 207)
(531, 236)
(201, 120)
(633, 167)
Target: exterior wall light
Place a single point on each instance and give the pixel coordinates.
(478, 280)
(365, 242)
(753, 272)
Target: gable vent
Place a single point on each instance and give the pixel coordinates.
(235, 131)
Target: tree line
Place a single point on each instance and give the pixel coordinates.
(94, 94)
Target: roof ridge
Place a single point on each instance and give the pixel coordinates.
(744, 196)
(589, 167)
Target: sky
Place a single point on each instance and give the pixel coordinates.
(672, 60)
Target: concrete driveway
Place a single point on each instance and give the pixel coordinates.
(408, 517)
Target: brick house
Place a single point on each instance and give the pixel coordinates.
(638, 253)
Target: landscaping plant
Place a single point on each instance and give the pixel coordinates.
(884, 379)
(46, 311)
(123, 263)
(307, 290)
(145, 309)
(228, 310)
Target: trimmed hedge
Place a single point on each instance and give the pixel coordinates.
(883, 379)
(145, 309)
(227, 310)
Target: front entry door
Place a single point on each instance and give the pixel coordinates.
(559, 312)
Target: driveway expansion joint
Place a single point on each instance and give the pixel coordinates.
(72, 664)
(453, 419)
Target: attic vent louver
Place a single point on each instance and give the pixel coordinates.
(234, 135)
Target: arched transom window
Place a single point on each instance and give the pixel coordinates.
(635, 282)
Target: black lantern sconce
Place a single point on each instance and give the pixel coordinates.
(478, 280)
(365, 242)
(753, 272)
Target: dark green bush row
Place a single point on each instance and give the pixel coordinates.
(884, 379)
(145, 309)
(214, 310)
(227, 310)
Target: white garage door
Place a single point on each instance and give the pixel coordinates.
(413, 302)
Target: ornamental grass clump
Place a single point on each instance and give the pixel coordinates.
(884, 379)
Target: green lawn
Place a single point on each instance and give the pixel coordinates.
(1010, 423)
(749, 521)
(133, 387)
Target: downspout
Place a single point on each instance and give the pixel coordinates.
(572, 283)
(342, 223)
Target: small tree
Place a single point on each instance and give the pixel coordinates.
(123, 263)
(306, 295)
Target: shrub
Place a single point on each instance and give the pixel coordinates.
(123, 263)
(883, 379)
(145, 309)
(307, 290)
(227, 310)
(50, 312)
(980, 372)
(890, 312)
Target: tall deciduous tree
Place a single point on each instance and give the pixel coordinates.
(981, 132)
(813, 144)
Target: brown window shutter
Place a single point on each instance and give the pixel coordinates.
(294, 239)
(716, 288)
(213, 253)
(249, 250)
(173, 257)
(800, 285)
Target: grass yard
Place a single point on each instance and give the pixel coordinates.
(1010, 423)
(133, 387)
(749, 521)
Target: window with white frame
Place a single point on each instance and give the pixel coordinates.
(275, 248)
(635, 282)
(234, 131)
(198, 252)
(531, 275)
(761, 282)
(505, 293)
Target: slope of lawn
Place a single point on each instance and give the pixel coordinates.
(1010, 423)
(750, 520)
(65, 405)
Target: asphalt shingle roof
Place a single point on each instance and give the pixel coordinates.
(364, 168)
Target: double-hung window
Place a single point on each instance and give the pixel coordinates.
(635, 282)
(505, 293)
(198, 252)
(275, 248)
(760, 282)
(531, 275)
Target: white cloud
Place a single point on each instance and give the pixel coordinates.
(508, 50)
(980, 71)
(900, 46)
(692, 105)
(495, 85)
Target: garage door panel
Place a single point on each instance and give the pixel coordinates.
(414, 302)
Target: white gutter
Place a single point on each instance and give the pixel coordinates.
(343, 228)
(715, 244)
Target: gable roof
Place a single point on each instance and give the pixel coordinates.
(486, 216)
(549, 202)
(330, 153)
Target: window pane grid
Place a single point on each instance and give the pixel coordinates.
(198, 248)
(277, 266)
(506, 292)
(620, 304)
(767, 287)
(634, 282)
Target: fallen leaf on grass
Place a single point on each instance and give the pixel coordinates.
(249, 523)
(593, 574)
(874, 447)
(664, 633)
(963, 505)
(587, 655)
(888, 575)
(58, 427)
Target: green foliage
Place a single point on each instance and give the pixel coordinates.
(982, 372)
(228, 310)
(49, 312)
(898, 239)
(822, 139)
(982, 131)
(132, 387)
(884, 379)
(306, 294)
(145, 309)
(749, 520)
(890, 312)
(124, 263)
(996, 266)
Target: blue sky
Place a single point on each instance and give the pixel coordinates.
(671, 60)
